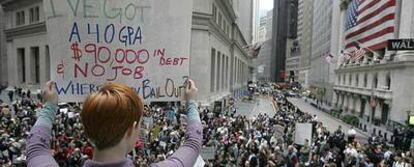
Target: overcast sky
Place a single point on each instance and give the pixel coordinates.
(266, 4)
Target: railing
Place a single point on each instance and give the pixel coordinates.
(381, 93)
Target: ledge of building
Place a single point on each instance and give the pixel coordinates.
(25, 30)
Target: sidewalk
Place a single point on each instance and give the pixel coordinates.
(329, 121)
(370, 128)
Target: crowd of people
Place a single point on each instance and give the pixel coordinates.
(246, 141)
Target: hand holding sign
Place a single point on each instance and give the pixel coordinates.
(190, 90)
(49, 93)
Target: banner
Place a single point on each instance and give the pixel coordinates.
(208, 153)
(144, 44)
(303, 131)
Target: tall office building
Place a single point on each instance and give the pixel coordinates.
(321, 77)
(284, 27)
(305, 19)
(263, 61)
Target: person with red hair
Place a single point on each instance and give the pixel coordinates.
(111, 118)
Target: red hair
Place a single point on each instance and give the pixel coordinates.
(109, 113)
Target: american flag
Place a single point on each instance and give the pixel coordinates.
(358, 53)
(370, 23)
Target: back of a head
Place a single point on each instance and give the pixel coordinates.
(109, 113)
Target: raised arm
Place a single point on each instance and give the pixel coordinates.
(38, 142)
(188, 153)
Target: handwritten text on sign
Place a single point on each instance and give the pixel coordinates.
(143, 43)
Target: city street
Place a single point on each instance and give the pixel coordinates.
(249, 109)
(330, 122)
(264, 105)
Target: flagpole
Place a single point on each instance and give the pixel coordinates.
(375, 54)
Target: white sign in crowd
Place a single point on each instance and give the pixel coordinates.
(144, 44)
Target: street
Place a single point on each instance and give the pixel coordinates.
(264, 106)
(329, 122)
(261, 105)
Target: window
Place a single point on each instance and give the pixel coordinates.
(222, 70)
(344, 79)
(36, 65)
(223, 25)
(388, 82)
(350, 80)
(227, 72)
(218, 71)
(356, 80)
(228, 30)
(212, 69)
(214, 13)
(375, 81)
(365, 80)
(220, 18)
(20, 18)
(34, 14)
(22, 64)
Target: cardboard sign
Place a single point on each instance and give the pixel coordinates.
(199, 162)
(208, 153)
(144, 44)
(303, 131)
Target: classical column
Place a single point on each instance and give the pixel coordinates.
(28, 65)
(358, 105)
(13, 66)
(405, 28)
(42, 62)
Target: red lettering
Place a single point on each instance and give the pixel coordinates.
(182, 60)
(138, 72)
(104, 61)
(84, 72)
(95, 70)
(126, 71)
(160, 52)
(175, 62)
(143, 53)
(91, 48)
(168, 61)
(122, 54)
(134, 55)
(61, 69)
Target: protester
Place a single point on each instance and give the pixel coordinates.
(111, 120)
(263, 140)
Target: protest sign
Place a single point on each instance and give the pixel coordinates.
(303, 132)
(199, 162)
(207, 153)
(144, 44)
